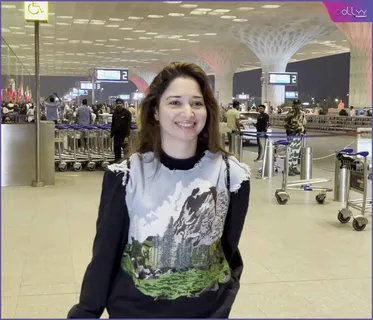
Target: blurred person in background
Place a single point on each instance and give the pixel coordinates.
(295, 126)
(84, 114)
(261, 125)
(120, 129)
(51, 108)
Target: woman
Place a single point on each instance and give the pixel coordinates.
(171, 216)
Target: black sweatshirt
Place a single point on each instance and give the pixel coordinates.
(106, 285)
(121, 124)
(262, 122)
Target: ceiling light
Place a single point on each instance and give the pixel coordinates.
(144, 38)
(4, 30)
(48, 43)
(173, 14)
(189, 6)
(74, 41)
(152, 33)
(112, 26)
(182, 39)
(139, 31)
(173, 2)
(198, 13)
(228, 17)
(19, 32)
(63, 24)
(193, 41)
(125, 28)
(87, 41)
(68, 54)
(23, 45)
(155, 16)
(135, 18)
(240, 20)
(110, 46)
(128, 39)
(98, 44)
(210, 34)
(193, 35)
(80, 54)
(221, 10)
(8, 6)
(213, 13)
(64, 17)
(99, 22)
(80, 21)
(101, 40)
(48, 37)
(163, 49)
(116, 19)
(245, 8)
(15, 28)
(271, 6)
(175, 37)
(114, 40)
(175, 49)
(160, 36)
(62, 39)
(203, 9)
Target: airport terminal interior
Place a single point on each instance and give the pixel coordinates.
(306, 244)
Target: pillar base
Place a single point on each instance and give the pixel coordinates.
(37, 184)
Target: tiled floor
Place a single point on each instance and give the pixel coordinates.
(299, 261)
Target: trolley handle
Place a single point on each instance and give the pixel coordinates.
(281, 142)
(362, 154)
(348, 151)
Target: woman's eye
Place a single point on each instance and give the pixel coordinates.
(198, 104)
(175, 103)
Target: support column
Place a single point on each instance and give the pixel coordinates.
(273, 95)
(142, 79)
(359, 37)
(223, 62)
(275, 43)
(224, 87)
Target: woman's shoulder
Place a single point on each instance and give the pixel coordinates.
(238, 171)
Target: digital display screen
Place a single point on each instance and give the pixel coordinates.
(242, 96)
(87, 85)
(124, 96)
(287, 79)
(137, 96)
(112, 75)
(291, 95)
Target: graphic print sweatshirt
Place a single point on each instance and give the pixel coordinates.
(167, 239)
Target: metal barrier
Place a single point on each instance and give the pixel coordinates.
(268, 164)
(327, 123)
(306, 163)
(341, 178)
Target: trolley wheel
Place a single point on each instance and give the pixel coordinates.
(62, 167)
(104, 165)
(342, 219)
(357, 226)
(91, 166)
(320, 198)
(282, 198)
(77, 167)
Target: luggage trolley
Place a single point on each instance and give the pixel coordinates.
(358, 166)
(282, 195)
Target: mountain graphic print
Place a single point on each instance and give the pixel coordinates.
(186, 259)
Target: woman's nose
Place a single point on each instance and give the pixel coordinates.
(188, 111)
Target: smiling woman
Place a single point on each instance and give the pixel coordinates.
(171, 216)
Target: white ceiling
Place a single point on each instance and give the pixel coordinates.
(146, 35)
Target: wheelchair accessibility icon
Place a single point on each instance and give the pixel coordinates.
(34, 8)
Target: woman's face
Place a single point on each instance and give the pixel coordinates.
(182, 112)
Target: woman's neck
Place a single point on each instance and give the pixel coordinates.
(180, 150)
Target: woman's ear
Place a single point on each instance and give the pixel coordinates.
(156, 117)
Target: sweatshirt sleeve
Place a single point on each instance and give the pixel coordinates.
(112, 227)
(234, 223)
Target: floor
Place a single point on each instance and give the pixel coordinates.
(300, 262)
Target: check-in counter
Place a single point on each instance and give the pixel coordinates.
(18, 154)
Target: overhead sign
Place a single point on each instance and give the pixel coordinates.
(87, 85)
(291, 95)
(111, 75)
(242, 97)
(137, 96)
(125, 96)
(36, 11)
(283, 78)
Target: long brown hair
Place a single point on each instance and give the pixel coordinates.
(150, 135)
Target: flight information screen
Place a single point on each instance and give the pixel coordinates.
(112, 75)
(283, 78)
